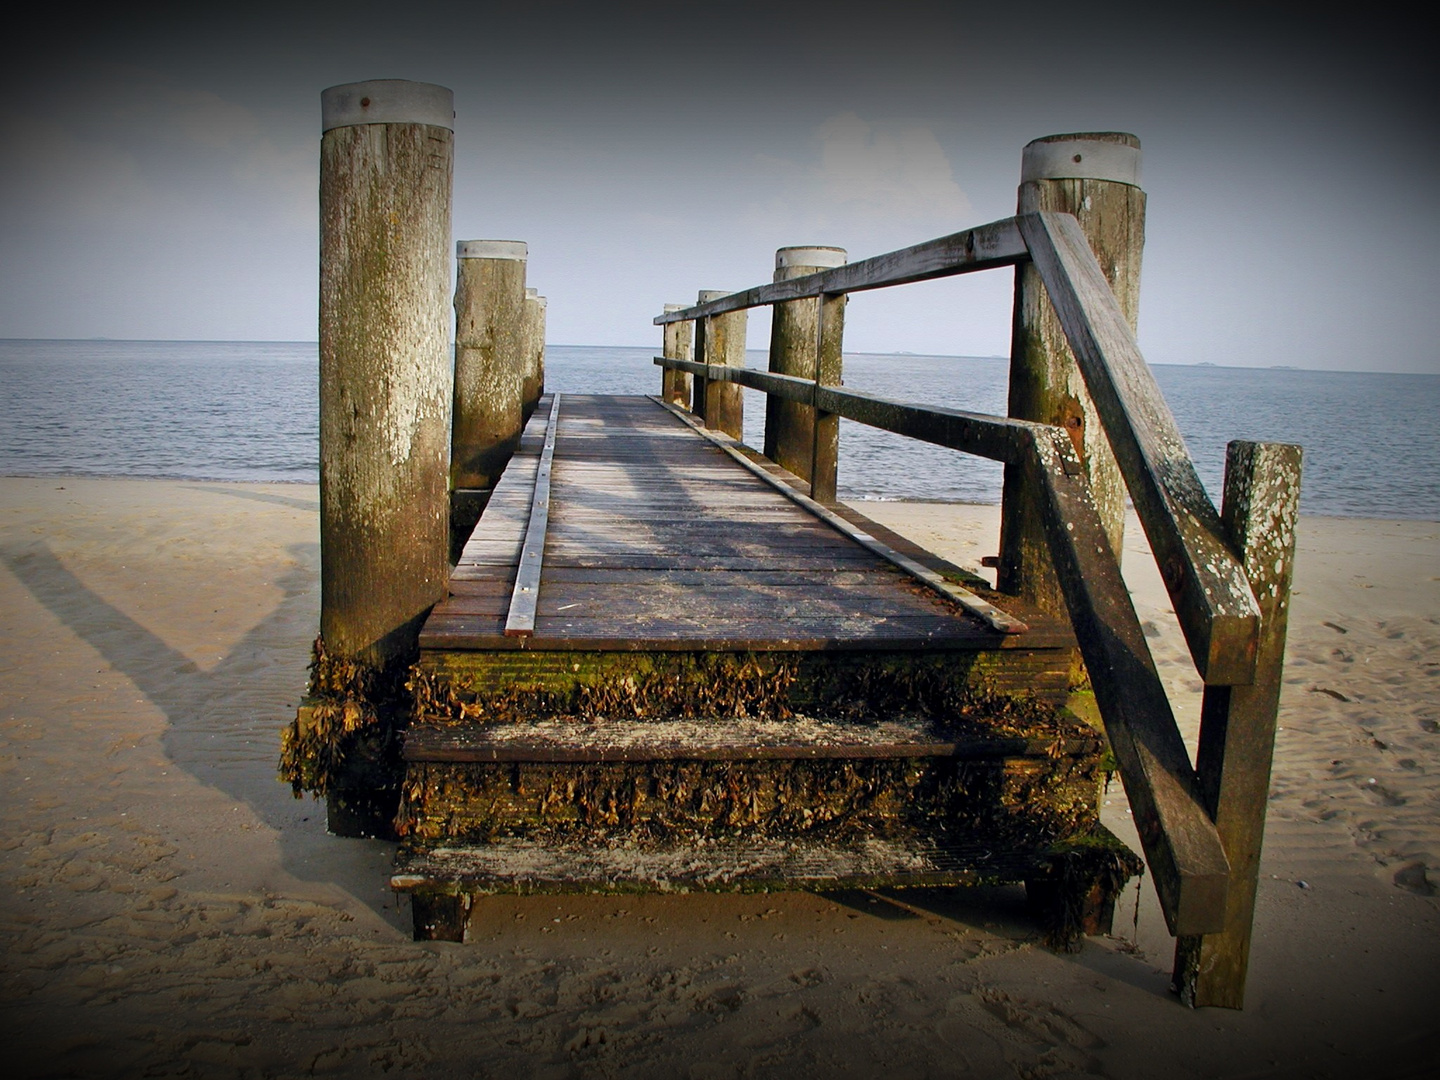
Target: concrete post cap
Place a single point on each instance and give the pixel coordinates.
(492, 249)
(822, 257)
(675, 307)
(706, 295)
(387, 101)
(1112, 156)
(531, 294)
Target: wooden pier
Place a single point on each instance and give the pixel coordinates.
(663, 661)
(662, 666)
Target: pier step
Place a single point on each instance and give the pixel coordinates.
(801, 738)
(1072, 885)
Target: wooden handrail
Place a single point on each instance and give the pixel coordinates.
(1199, 823)
(982, 248)
(1212, 596)
(1182, 845)
(1207, 584)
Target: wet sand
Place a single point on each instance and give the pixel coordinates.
(166, 907)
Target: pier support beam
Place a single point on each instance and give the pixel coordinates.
(675, 385)
(799, 346)
(386, 162)
(534, 380)
(1260, 512)
(1096, 177)
(386, 159)
(720, 339)
(490, 346)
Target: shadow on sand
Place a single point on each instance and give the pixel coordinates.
(224, 723)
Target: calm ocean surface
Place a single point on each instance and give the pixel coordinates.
(247, 411)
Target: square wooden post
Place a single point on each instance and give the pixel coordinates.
(720, 339)
(1237, 723)
(791, 438)
(675, 385)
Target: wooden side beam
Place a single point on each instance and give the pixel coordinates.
(1237, 723)
(1182, 847)
(1206, 581)
(520, 619)
(995, 437)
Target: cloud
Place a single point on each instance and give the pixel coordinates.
(127, 143)
(864, 178)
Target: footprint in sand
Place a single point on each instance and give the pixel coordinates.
(1412, 876)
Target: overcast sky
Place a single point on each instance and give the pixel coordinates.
(158, 170)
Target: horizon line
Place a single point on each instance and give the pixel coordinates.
(650, 348)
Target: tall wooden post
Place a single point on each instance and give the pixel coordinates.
(1260, 512)
(792, 437)
(534, 349)
(490, 343)
(386, 160)
(720, 339)
(1095, 177)
(489, 375)
(675, 385)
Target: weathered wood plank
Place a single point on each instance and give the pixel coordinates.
(994, 617)
(711, 600)
(1182, 847)
(982, 248)
(1207, 584)
(1260, 511)
(716, 739)
(520, 619)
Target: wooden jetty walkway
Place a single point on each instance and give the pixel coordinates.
(661, 660)
(782, 666)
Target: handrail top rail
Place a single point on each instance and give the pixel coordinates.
(982, 248)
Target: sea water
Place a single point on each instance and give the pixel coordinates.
(247, 411)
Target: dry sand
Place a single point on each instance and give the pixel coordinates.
(166, 908)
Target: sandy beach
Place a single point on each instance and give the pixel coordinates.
(167, 908)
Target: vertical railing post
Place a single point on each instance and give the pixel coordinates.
(675, 385)
(1237, 723)
(720, 339)
(490, 343)
(792, 438)
(534, 380)
(386, 160)
(1095, 177)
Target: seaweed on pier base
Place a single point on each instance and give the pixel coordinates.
(344, 742)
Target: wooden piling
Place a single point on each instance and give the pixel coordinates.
(489, 361)
(792, 437)
(720, 339)
(675, 385)
(1260, 512)
(534, 381)
(1095, 177)
(490, 340)
(386, 161)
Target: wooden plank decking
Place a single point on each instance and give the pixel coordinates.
(711, 682)
(656, 539)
